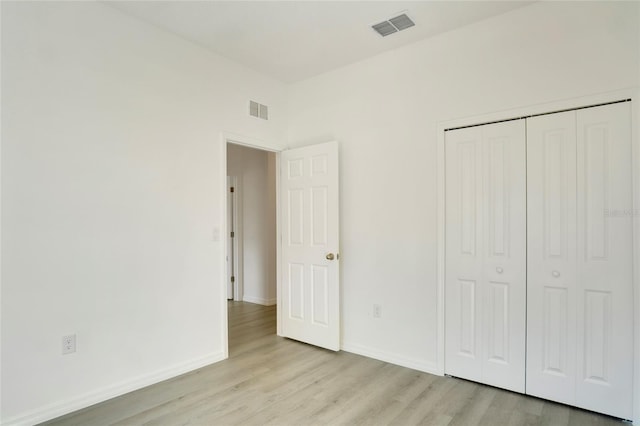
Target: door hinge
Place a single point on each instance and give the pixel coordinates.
(233, 279)
(233, 234)
(232, 189)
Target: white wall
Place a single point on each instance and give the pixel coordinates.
(384, 112)
(111, 190)
(255, 170)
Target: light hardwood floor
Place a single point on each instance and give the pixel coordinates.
(268, 380)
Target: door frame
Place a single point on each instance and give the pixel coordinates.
(556, 106)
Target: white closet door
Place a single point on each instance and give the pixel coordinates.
(579, 336)
(464, 254)
(551, 248)
(605, 249)
(485, 254)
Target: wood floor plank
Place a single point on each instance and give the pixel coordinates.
(423, 407)
(270, 380)
(501, 409)
(475, 408)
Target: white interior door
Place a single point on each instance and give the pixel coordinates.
(310, 293)
(231, 245)
(485, 287)
(605, 260)
(580, 312)
(551, 244)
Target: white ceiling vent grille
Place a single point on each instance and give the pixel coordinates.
(258, 110)
(393, 25)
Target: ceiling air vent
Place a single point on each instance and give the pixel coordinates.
(258, 110)
(393, 25)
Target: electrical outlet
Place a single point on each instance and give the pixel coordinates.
(68, 344)
(377, 311)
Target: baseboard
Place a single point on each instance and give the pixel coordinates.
(259, 300)
(65, 407)
(392, 358)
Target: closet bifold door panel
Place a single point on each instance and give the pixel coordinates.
(605, 260)
(485, 289)
(579, 243)
(551, 247)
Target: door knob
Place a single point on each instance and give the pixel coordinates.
(556, 274)
(499, 270)
(330, 256)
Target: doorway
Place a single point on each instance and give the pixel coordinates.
(251, 244)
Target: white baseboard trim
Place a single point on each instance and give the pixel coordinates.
(52, 411)
(259, 300)
(392, 358)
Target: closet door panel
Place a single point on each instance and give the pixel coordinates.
(464, 200)
(485, 254)
(504, 283)
(551, 256)
(604, 261)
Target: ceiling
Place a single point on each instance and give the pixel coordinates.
(295, 40)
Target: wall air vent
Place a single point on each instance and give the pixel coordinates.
(393, 25)
(258, 110)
